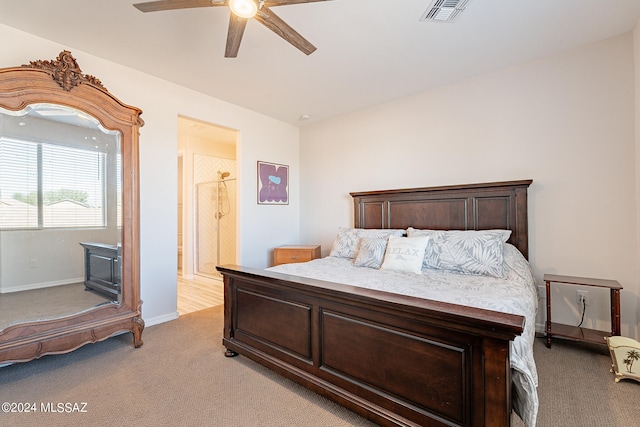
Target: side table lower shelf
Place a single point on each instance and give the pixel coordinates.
(577, 334)
(574, 332)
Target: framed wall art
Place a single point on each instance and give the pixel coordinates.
(273, 184)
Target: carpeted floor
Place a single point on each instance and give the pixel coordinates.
(576, 388)
(46, 303)
(180, 377)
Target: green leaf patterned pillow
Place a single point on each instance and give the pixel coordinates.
(346, 242)
(370, 252)
(467, 252)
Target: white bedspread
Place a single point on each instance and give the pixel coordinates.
(516, 295)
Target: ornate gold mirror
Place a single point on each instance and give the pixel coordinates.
(68, 211)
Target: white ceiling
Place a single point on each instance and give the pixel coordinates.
(369, 51)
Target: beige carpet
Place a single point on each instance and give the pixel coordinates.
(46, 303)
(180, 377)
(576, 388)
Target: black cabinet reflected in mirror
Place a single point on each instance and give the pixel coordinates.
(68, 211)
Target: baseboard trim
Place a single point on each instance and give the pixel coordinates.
(41, 285)
(156, 320)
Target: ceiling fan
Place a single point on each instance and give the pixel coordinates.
(241, 11)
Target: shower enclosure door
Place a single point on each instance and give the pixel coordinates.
(215, 223)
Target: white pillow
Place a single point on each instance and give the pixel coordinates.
(478, 252)
(405, 254)
(370, 252)
(346, 243)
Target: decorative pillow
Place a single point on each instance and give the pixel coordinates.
(370, 252)
(431, 252)
(405, 254)
(346, 243)
(467, 252)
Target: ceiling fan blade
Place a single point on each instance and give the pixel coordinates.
(273, 22)
(234, 35)
(156, 6)
(284, 2)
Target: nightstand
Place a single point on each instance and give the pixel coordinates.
(298, 253)
(583, 334)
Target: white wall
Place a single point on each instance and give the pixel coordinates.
(260, 138)
(567, 122)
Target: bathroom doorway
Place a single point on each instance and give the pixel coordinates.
(207, 211)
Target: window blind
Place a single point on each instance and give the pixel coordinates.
(51, 186)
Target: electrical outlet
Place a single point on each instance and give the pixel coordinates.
(33, 263)
(582, 296)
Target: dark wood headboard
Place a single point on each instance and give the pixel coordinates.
(493, 205)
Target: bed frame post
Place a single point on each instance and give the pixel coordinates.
(522, 219)
(497, 386)
(227, 333)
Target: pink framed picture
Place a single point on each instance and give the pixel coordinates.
(273, 184)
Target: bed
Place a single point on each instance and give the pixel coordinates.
(392, 355)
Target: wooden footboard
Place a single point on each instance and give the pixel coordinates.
(393, 359)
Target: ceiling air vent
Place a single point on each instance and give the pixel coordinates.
(444, 10)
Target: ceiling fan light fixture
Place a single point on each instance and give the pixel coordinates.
(240, 12)
(243, 8)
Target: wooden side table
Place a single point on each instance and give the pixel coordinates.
(298, 253)
(583, 334)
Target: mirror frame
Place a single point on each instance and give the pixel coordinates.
(61, 81)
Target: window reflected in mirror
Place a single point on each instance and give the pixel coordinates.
(60, 214)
